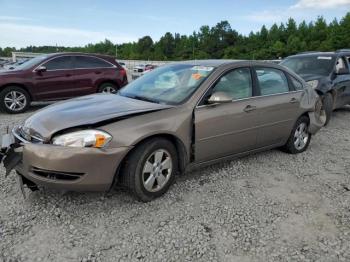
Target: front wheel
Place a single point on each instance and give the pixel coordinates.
(14, 100)
(299, 138)
(150, 169)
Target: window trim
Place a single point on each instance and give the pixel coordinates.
(52, 58)
(200, 102)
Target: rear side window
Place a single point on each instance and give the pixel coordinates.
(297, 84)
(59, 63)
(90, 62)
(237, 84)
(272, 81)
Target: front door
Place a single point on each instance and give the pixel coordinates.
(57, 81)
(227, 128)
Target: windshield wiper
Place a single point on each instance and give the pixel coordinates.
(145, 99)
(142, 98)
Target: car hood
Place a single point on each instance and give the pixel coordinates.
(84, 111)
(310, 77)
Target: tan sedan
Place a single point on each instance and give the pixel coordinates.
(177, 117)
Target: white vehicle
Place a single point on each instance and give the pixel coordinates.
(123, 65)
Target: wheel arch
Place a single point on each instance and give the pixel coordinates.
(18, 85)
(107, 82)
(177, 142)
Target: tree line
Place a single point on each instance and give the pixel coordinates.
(221, 41)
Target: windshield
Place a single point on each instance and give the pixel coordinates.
(171, 84)
(313, 65)
(31, 62)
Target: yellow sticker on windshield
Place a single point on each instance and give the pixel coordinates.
(197, 76)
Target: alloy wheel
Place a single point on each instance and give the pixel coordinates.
(301, 136)
(109, 90)
(157, 170)
(15, 101)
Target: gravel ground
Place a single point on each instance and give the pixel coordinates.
(266, 207)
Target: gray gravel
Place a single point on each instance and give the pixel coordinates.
(266, 207)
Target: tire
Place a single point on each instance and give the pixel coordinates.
(108, 88)
(134, 173)
(293, 146)
(20, 105)
(327, 101)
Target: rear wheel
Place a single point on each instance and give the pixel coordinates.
(327, 101)
(300, 137)
(108, 88)
(14, 100)
(150, 169)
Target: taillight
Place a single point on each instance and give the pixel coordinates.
(122, 71)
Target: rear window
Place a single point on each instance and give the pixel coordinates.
(272, 81)
(90, 62)
(297, 84)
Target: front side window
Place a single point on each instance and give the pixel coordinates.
(237, 84)
(90, 62)
(272, 81)
(341, 64)
(59, 63)
(171, 84)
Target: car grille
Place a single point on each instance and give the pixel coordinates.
(55, 175)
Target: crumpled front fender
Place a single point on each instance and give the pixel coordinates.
(317, 117)
(315, 123)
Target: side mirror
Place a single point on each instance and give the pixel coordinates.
(41, 69)
(341, 71)
(219, 98)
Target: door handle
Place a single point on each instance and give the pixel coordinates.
(68, 75)
(293, 100)
(98, 72)
(249, 108)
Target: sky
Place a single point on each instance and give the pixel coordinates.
(79, 22)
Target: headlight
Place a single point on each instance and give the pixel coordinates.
(84, 138)
(313, 83)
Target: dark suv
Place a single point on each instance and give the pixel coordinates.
(59, 76)
(328, 73)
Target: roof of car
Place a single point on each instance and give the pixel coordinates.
(318, 53)
(75, 53)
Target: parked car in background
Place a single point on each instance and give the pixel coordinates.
(3, 62)
(328, 73)
(13, 65)
(59, 76)
(174, 118)
(123, 65)
(142, 69)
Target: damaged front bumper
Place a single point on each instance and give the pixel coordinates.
(317, 118)
(62, 168)
(10, 152)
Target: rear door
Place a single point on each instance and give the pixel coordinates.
(279, 105)
(229, 128)
(90, 72)
(57, 81)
